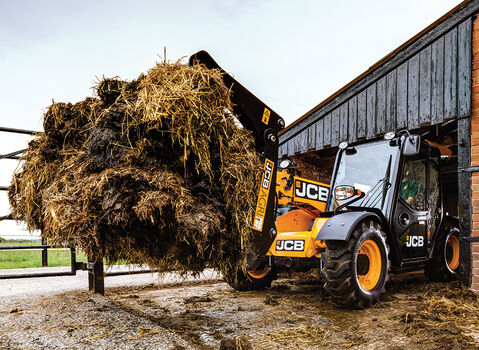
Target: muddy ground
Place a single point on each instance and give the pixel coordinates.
(293, 314)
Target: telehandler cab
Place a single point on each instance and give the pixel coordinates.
(383, 216)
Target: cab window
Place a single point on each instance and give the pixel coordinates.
(413, 183)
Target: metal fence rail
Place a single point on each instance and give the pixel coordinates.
(18, 131)
(12, 155)
(74, 265)
(96, 272)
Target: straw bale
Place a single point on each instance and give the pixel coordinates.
(153, 171)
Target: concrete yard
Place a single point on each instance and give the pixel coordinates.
(205, 313)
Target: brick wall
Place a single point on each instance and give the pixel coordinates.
(319, 169)
(475, 152)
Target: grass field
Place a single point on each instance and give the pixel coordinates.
(16, 259)
(9, 244)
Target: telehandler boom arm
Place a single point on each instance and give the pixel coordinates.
(265, 124)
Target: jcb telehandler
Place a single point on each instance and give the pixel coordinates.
(384, 214)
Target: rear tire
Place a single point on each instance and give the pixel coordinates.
(444, 264)
(356, 270)
(254, 280)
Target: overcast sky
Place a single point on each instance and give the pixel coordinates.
(291, 54)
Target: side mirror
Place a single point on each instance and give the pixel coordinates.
(411, 144)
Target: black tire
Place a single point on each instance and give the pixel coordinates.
(342, 264)
(437, 268)
(242, 281)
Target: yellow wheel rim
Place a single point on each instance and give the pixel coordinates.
(368, 265)
(452, 252)
(259, 273)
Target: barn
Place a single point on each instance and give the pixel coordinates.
(429, 86)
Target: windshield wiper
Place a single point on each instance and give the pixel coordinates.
(386, 184)
(374, 196)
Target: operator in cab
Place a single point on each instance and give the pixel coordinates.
(410, 187)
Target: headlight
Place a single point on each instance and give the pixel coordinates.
(344, 192)
(285, 163)
(389, 135)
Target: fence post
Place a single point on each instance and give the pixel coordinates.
(96, 277)
(73, 261)
(44, 253)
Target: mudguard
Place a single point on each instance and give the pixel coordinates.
(340, 227)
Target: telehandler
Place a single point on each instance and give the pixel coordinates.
(383, 215)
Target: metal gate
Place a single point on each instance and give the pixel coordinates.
(96, 272)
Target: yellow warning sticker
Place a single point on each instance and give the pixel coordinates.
(262, 203)
(266, 115)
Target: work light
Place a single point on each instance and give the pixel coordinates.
(344, 192)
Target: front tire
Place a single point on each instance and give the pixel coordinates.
(356, 270)
(444, 264)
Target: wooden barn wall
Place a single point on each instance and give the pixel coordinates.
(426, 83)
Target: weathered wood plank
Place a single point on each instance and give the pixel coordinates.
(327, 130)
(343, 122)
(352, 119)
(464, 68)
(362, 113)
(381, 105)
(425, 85)
(319, 134)
(335, 127)
(371, 112)
(291, 147)
(437, 77)
(450, 74)
(297, 144)
(401, 100)
(391, 85)
(403, 55)
(303, 144)
(413, 93)
(312, 137)
(399, 58)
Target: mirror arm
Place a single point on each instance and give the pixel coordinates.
(348, 203)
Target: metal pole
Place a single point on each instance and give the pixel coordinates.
(96, 277)
(464, 204)
(12, 155)
(17, 131)
(73, 260)
(34, 275)
(44, 254)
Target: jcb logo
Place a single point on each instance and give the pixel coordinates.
(268, 170)
(311, 191)
(296, 245)
(263, 196)
(414, 241)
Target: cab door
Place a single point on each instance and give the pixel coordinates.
(411, 216)
(434, 200)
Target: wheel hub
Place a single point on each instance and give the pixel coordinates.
(451, 252)
(368, 265)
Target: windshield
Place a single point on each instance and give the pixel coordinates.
(368, 168)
